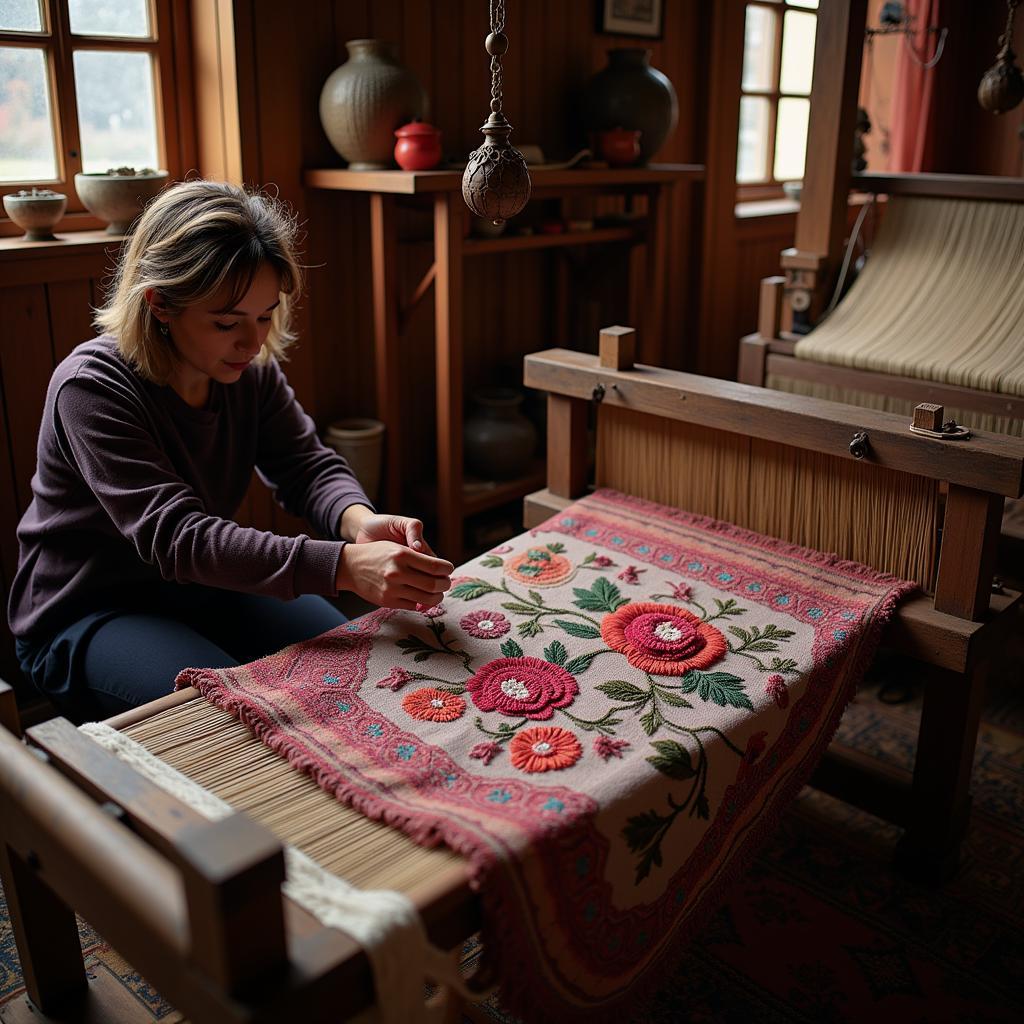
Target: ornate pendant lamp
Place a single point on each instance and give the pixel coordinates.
(496, 184)
(1002, 86)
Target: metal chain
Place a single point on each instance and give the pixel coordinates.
(1011, 9)
(497, 11)
(498, 15)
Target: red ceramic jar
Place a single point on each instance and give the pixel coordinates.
(418, 147)
(620, 146)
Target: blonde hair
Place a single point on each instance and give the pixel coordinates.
(192, 240)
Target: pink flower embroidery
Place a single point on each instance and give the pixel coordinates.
(602, 561)
(485, 625)
(631, 574)
(397, 678)
(522, 687)
(539, 567)
(662, 638)
(486, 752)
(680, 591)
(432, 611)
(775, 687)
(606, 747)
(503, 550)
(544, 748)
(433, 705)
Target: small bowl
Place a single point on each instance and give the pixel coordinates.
(118, 198)
(37, 211)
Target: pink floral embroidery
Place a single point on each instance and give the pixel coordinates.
(522, 687)
(755, 748)
(775, 687)
(485, 625)
(433, 705)
(503, 550)
(486, 752)
(397, 678)
(680, 591)
(606, 747)
(662, 638)
(432, 611)
(544, 748)
(602, 561)
(538, 567)
(631, 574)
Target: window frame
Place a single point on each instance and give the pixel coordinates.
(771, 188)
(172, 96)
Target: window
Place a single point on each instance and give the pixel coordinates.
(85, 85)
(778, 61)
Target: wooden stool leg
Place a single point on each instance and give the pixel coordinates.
(941, 801)
(46, 934)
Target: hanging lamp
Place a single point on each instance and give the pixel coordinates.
(496, 183)
(1002, 86)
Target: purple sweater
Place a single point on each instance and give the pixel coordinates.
(133, 485)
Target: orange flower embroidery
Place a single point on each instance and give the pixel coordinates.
(544, 748)
(662, 638)
(433, 705)
(538, 567)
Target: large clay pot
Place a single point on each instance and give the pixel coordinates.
(629, 93)
(361, 443)
(498, 440)
(118, 198)
(365, 100)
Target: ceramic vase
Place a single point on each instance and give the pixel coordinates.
(118, 198)
(360, 442)
(498, 440)
(629, 93)
(36, 211)
(365, 100)
(418, 147)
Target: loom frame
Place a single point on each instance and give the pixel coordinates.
(810, 267)
(180, 895)
(953, 632)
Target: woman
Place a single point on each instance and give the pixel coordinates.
(131, 567)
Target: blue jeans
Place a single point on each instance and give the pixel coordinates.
(118, 657)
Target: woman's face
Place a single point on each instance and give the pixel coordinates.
(214, 343)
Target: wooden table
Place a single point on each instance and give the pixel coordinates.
(655, 182)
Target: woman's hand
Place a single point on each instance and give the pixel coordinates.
(398, 529)
(391, 574)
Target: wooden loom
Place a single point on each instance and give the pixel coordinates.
(181, 896)
(811, 268)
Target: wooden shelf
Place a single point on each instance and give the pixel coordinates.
(516, 243)
(16, 247)
(476, 499)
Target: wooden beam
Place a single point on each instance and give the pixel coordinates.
(985, 461)
(567, 446)
(967, 558)
(951, 186)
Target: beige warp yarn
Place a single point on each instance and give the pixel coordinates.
(940, 299)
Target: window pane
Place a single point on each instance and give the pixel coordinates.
(798, 52)
(110, 18)
(759, 49)
(20, 16)
(116, 112)
(27, 151)
(752, 152)
(791, 139)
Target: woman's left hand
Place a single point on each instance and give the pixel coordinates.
(398, 529)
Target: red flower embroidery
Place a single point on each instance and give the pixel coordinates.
(522, 687)
(602, 561)
(485, 625)
(397, 678)
(539, 567)
(662, 638)
(432, 611)
(486, 752)
(606, 747)
(775, 687)
(433, 705)
(680, 591)
(631, 574)
(755, 748)
(544, 748)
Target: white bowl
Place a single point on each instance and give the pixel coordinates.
(118, 198)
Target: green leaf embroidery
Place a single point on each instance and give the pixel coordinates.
(556, 653)
(531, 627)
(787, 665)
(720, 688)
(652, 721)
(557, 548)
(729, 607)
(470, 590)
(511, 649)
(519, 608)
(642, 829)
(492, 562)
(535, 597)
(580, 629)
(672, 699)
(581, 663)
(602, 596)
(529, 570)
(672, 759)
(620, 690)
(589, 558)
(537, 555)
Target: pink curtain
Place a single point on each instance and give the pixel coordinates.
(913, 130)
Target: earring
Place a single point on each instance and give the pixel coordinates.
(164, 328)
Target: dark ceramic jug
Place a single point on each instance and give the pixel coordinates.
(498, 440)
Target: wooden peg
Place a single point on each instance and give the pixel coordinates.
(618, 348)
(928, 416)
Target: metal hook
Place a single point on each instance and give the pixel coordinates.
(860, 445)
(598, 393)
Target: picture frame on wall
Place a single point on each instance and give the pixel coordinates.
(643, 18)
